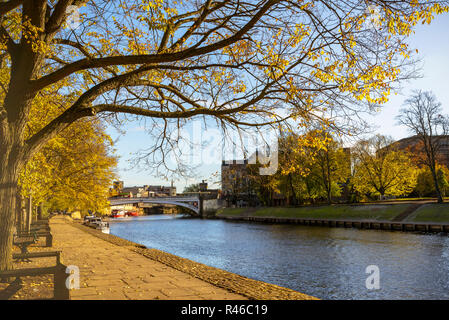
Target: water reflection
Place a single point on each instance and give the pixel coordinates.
(328, 263)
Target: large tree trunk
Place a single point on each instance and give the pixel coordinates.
(437, 186)
(8, 201)
(40, 210)
(11, 163)
(25, 65)
(292, 189)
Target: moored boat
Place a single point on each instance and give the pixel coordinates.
(117, 213)
(132, 214)
(104, 227)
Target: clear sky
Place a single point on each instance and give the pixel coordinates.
(432, 42)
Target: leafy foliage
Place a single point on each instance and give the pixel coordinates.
(382, 170)
(425, 185)
(311, 166)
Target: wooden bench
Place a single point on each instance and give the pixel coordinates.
(61, 292)
(24, 240)
(40, 227)
(36, 234)
(48, 237)
(41, 221)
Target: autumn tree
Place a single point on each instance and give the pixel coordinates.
(425, 185)
(192, 188)
(264, 186)
(243, 63)
(331, 167)
(72, 171)
(422, 116)
(297, 153)
(381, 169)
(312, 163)
(311, 166)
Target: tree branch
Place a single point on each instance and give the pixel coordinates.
(149, 59)
(5, 7)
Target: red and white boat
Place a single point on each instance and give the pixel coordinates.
(117, 213)
(132, 214)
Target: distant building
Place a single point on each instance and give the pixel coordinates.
(117, 188)
(161, 191)
(134, 192)
(141, 192)
(234, 177)
(202, 186)
(414, 145)
(205, 192)
(236, 184)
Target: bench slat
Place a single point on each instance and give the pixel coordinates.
(29, 272)
(24, 240)
(37, 233)
(36, 255)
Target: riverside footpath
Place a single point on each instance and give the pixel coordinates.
(112, 268)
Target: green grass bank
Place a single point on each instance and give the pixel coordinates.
(410, 212)
(438, 213)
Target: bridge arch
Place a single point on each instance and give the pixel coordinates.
(177, 201)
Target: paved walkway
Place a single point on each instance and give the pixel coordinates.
(108, 271)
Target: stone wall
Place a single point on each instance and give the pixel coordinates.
(210, 206)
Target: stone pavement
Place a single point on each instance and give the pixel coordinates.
(112, 272)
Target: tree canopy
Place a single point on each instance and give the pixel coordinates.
(247, 63)
(380, 169)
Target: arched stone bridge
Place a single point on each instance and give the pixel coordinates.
(191, 202)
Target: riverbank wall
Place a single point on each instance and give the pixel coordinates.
(391, 217)
(376, 225)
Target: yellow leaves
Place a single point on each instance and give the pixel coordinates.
(402, 24)
(239, 87)
(240, 51)
(355, 74)
(379, 170)
(276, 64)
(148, 5)
(32, 35)
(302, 149)
(156, 14)
(73, 169)
(310, 164)
(299, 33)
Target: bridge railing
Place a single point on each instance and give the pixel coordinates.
(143, 199)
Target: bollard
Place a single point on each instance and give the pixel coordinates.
(61, 292)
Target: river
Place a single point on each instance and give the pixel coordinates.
(328, 263)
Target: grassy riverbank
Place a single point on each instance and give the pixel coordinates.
(431, 213)
(380, 212)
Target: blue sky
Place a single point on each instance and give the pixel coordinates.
(432, 42)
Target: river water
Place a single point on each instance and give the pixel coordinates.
(328, 263)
